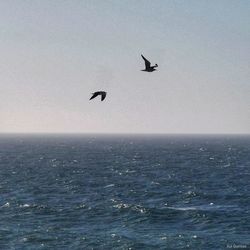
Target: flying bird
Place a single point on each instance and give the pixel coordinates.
(95, 94)
(148, 66)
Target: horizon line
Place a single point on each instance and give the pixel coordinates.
(122, 133)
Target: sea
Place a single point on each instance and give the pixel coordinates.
(124, 191)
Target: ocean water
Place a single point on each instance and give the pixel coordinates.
(124, 192)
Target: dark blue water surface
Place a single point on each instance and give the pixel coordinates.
(124, 192)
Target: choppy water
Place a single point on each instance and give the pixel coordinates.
(124, 192)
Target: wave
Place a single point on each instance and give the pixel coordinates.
(209, 207)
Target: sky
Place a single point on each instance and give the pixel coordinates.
(55, 53)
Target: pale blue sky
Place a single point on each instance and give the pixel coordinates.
(54, 54)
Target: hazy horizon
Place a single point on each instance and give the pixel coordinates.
(54, 54)
(121, 134)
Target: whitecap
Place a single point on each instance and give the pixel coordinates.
(191, 193)
(182, 208)
(208, 207)
(121, 205)
(140, 209)
(110, 185)
(7, 204)
(25, 205)
(130, 171)
(155, 183)
(81, 206)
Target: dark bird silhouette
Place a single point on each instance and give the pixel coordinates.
(95, 94)
(148, 66)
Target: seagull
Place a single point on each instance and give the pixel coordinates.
(148, 68)
(95, 94)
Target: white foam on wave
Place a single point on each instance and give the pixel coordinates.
(130, 171)
(121, 205)
(137, 208)
(182, 208)
(110, 185)
(25, 205)
(155, 183)
(7, 204)
(81, 206)
(208, 207)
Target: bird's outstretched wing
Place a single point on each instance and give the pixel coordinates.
(147, 63)
(103, 96)
(94, 95)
